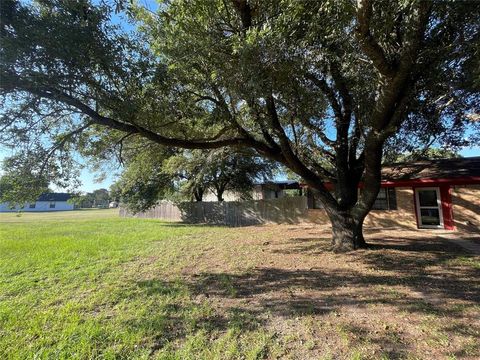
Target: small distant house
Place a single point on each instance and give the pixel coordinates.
(272, 189)
(45, 202)
(428, 194)
(276, 189)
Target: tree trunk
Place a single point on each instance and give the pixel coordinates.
(198, 194)
(347, 232)
(220, 194)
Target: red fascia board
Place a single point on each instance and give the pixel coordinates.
(466, 180)
(447, 210)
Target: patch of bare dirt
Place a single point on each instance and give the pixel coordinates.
(408, 295)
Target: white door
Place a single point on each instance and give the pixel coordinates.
(429, 207)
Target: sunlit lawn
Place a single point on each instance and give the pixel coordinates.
(69, 288)
(88, 284)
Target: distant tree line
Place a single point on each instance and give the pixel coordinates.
(99, 198)
(187, 175)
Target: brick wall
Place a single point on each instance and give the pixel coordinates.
(466, 207)
(403, 217)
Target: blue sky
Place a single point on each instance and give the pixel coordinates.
(89, 184)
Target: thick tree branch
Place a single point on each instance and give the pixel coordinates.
(329, 93)
(354, 141)
(54, 94)
(397, 88)
(369, 46)
(245, 11)
(345, 95)
(292, 161)
(342, 123)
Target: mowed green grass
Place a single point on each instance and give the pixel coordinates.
(88, 284)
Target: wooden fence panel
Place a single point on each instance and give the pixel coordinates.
(231, 213)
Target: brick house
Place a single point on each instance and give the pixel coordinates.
(429, 194)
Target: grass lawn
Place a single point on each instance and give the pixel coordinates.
(87, 284)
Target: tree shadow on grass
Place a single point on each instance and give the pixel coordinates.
(394, 262)
(397, 261)
(246, 300)
(471, 332)
(171, 314)
(175, 224)
(304, 245)
(409, 261)
(280, 290)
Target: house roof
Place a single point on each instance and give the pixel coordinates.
(280, 184)
(434, 169)
(54, 197)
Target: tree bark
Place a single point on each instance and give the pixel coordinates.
(198, 195)
(220, 196)
(347, 231)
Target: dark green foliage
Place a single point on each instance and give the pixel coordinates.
(188, 176)
(144, 181)
(427, 154)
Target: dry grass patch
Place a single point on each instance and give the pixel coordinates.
(410, 296)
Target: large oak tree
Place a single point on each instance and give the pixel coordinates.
(323, 87)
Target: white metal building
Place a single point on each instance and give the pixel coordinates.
(45, 202)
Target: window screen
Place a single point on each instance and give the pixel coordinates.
(392, 199)
(386, 200)
(381, 203)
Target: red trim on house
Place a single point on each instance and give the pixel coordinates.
(450, 192)
(430, 182)
(446, 199)
(466, 180)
